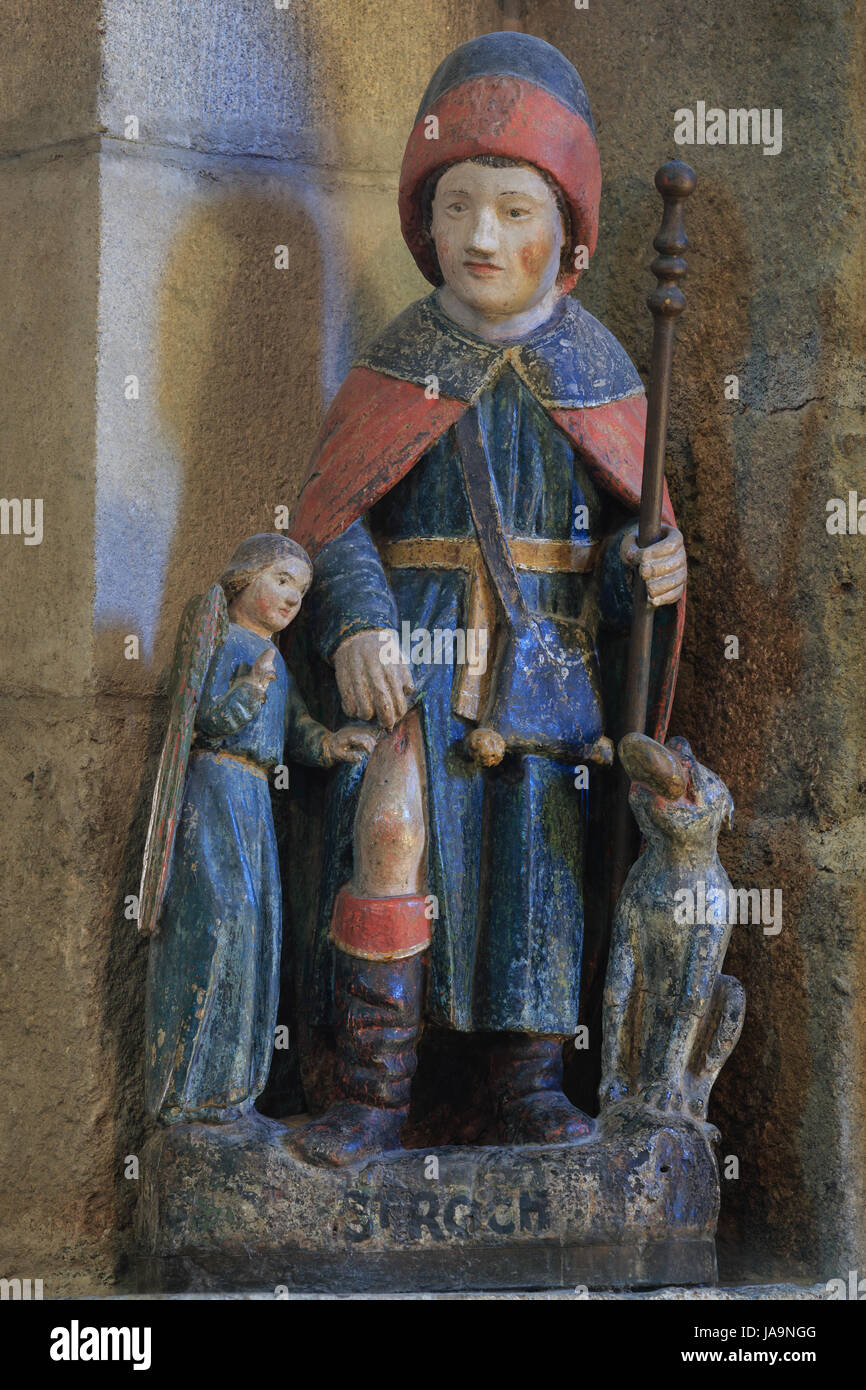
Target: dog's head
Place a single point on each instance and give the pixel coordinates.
(672, 794)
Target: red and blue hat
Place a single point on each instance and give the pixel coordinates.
(506, 94)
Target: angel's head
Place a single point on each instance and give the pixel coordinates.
(265, 582)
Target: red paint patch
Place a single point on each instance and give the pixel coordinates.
(534, 257)
(380, 927)
(376, 429)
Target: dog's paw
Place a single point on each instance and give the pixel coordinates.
(611, 1090)
(662, 1095)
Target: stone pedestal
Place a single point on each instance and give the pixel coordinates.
(635, 1205)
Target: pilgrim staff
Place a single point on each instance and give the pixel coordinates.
(675, 181)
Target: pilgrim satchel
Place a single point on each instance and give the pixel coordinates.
(545, 696)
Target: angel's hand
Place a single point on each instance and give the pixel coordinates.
(349, 744)
(262, 671)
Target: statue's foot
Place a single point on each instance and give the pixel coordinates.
(548, 1117)
(377, 1006)
(526, 1079)
(347, 1133)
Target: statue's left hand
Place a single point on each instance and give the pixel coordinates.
(349, 744)
(662, 565)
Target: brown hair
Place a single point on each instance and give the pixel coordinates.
(255, 554)
(496, 161)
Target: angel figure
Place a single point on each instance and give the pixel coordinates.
(210, 891)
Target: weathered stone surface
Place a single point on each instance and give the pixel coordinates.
(233, 359)
(56, 1148)
(637, 1204)
(51, 68)
(736, 1293)
(50, 257)
(316, 81)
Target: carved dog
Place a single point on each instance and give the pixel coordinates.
(670, 1017)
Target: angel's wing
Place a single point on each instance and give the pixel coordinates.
(203, 627)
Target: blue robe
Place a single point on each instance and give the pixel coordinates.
(213, 971)
(508, 846)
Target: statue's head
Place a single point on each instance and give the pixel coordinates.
(501, 177)
(266, 579)
(500, 232)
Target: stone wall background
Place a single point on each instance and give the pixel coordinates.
(154, 256)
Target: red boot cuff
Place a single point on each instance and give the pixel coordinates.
(380, 928)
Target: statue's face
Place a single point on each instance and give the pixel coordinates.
(272, 599)
(498, 236)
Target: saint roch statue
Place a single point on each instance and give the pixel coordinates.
(470, 514)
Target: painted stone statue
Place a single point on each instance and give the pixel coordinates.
(211, 887)
(467, 543)
(464, 876)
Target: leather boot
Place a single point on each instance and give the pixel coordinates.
(526, 1078)
(376, 1010)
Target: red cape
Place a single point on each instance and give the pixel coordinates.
(378, 427)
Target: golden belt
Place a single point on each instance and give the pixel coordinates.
(233, 758)
(536, 554)
(462, 553)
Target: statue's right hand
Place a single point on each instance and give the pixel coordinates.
(262, 670)
(368, 686)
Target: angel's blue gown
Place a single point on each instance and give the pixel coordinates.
(213, 972)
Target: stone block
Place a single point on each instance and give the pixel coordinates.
(51, 69)
(215, 366)
(50, 254)
(228, 1206)
(335, 85)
